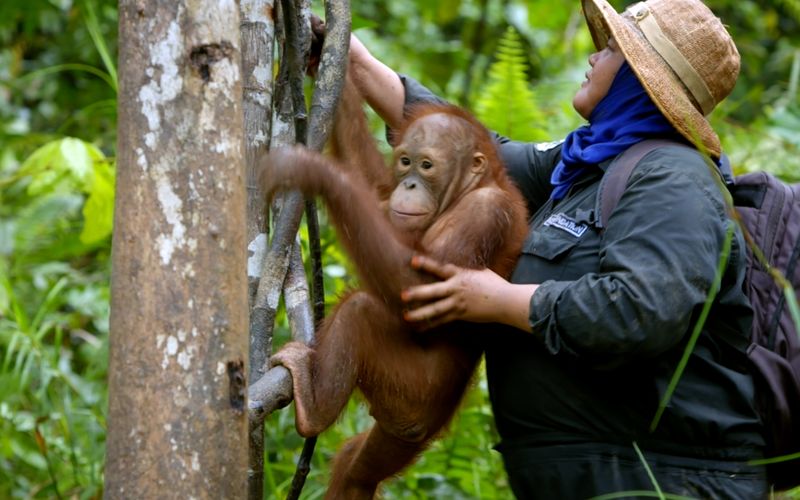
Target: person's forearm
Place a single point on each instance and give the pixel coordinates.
(513, 305)
(378, 84)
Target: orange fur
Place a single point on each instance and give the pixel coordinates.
(412, 380)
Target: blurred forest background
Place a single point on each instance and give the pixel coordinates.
(57, 147)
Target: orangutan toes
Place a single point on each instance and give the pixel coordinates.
(295, 356)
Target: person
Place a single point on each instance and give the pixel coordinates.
(584, 338)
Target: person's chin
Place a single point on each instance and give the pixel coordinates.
(579, 107)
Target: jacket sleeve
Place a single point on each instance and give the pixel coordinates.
(658, 258)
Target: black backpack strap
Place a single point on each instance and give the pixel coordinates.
(613, 183)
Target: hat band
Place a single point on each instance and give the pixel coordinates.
(673, 57)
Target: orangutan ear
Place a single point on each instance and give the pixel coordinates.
(479, 162)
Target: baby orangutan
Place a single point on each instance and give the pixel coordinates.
(446, 195)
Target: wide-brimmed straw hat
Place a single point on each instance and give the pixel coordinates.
(681, 53)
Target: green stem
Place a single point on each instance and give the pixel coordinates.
(698, 327)
(649, 472)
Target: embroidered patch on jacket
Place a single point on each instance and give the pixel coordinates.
(567, 224)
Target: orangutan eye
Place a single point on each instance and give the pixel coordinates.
(426, 164)
(405, 161)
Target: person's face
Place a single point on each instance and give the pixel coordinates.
(604, 66)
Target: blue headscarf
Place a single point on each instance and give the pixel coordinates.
(625, 116)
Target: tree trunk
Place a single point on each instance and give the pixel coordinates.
(177, 423)
(258, 35)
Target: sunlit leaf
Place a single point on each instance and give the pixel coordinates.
(335, 271)
(76, 159)
(45, 166)
(65, 164)
(98, 211)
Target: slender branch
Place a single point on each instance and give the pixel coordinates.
(328, 86)
(303, 468)
(330, 80)
(295, 292)
(273, 387)
(297, 17)
(300, 319)
(273, 390)
(315, 249)
(257, 31)
(287, 212)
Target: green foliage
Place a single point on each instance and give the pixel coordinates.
(57, 134)
(56, 199)
(507, 104)
(69, 165)
(53, 355)
(461, 465)
(772, 141)
(52, 426)
(791, 6)
(54, 320)
(50, 81)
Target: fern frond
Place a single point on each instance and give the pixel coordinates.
(507, 103)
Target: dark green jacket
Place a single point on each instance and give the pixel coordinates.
(615, 309)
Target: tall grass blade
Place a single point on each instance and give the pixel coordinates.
(794, 309)
(111, 81)
(100, 44)
(649, 472)
(698, 327)
(50, 298)
(775, 460)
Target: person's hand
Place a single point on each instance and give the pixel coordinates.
(463, 294)
(317, 39)
(357, 53)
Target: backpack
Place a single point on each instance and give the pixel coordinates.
(770, 212)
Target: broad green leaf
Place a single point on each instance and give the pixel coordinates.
(76, 159)
(98, 211)
(65, 164)
(71, 164)
(41, 166)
